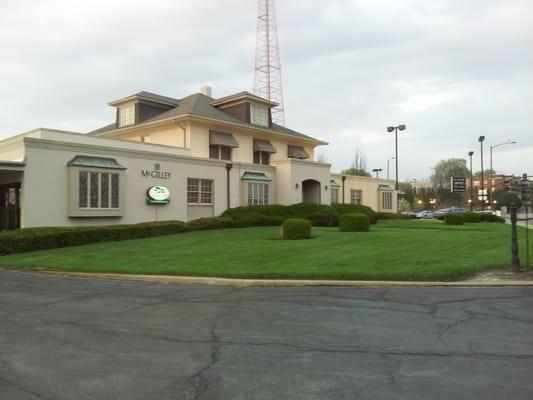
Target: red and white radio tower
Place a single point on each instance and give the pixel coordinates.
(267, 76)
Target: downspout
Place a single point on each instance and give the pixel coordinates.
(229, 166)
(184, 132)
(343, 179)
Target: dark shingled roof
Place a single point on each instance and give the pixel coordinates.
(149, 96)
(199, 105)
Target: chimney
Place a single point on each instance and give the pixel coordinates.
(207, 90)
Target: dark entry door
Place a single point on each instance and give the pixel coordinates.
(9, 207)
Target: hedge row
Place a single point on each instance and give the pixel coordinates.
(30, 239)
(454, 219)
(317, 214)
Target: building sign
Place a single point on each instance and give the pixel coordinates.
(145, 173)
(158, 195)
(458, 184)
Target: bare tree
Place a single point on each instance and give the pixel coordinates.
(359, 160)
(358, 166)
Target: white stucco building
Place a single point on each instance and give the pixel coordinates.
(211, 154)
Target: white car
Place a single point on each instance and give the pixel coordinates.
(424, 215)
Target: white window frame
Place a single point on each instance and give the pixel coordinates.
(126, 115)
(386, 200)
(356, 196)
(334, 195)
(99, 195)
(259, 115)
(200, 191)
(258, 193)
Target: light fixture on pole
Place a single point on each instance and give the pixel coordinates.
(471, 201)
(377, 171)
(491, 189)
(388, 162)
(481, 139)
(395, 129)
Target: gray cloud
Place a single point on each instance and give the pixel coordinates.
(450, 69)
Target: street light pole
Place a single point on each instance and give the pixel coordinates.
(388, 162)
(491, 170)
(377, 171)
(471, 153)
(395, 129)
(481, 139)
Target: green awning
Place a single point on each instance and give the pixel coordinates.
(255, 176)
(95, 162)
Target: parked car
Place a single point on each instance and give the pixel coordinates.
(409, 213)
(424, 214)
(439, 214)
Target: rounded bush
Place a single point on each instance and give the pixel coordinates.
(296, 228)
(354, 222)
(472, 217)
(454, 219)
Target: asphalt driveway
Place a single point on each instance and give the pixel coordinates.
(70, 338)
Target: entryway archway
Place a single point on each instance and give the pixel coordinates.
(311, 191)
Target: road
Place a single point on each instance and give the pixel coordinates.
(73, 338)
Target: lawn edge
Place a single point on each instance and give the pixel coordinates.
(213, 281)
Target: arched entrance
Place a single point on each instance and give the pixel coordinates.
(311, 191)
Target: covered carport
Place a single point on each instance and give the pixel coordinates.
(11, 174)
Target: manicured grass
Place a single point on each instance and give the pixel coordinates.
(392, 250)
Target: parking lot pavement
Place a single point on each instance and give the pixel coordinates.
(73, 338)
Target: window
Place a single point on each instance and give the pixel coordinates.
(386, 200)
(257, 193)
(262, 157)
(219, 152)
(199, 191)
(126, 115)
(98, 190)
(356, 196)
(259, 115)
(334, 196)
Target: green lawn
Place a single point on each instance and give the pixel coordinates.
(403, 250)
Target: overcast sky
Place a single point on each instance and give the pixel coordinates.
(450, 69)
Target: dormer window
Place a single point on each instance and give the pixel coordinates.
(126, 115)
(259, 115)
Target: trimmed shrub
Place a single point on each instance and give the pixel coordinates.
(486, 217)
(318, 214)
(471, 216)
(354, 222)
(341, 209)
(257, 220)
(389, 215)
(204, 224)
(296, 228)
(454, 219)
(30, 239)
(324, 219)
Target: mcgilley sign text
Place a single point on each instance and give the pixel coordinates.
(155, 174)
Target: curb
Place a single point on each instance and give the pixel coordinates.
(189, 280)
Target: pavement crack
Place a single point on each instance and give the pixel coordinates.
(7, 382)
(448, 327)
